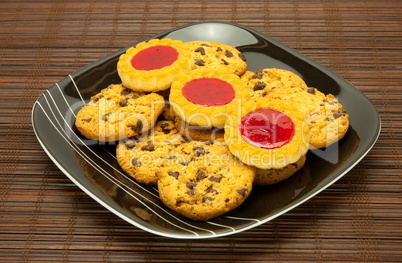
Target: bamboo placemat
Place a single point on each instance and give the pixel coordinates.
(45, 217)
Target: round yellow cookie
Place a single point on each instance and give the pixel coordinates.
(152, 66)
(117, 113)
(265, 80)
(218, 56)
(206, 97)
(326, 118)
(267, 133)
(142, 157)
(328, 123)
(211, 184)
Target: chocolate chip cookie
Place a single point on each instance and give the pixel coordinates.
(117, 112)
(218, 56)
(211, 183)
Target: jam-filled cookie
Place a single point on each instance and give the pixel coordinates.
(153, 65)
(143, 157)
(205, 97)
(117, 112)
(210, 184)
(326, 118)
(218, 56)
(267, 133)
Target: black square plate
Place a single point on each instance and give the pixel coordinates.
(93, 167)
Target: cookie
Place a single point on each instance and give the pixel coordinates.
(224, 58)
(328, 123)
(205, 97)
(142, 157)
(152, 66)
(192, 132)
(267, 133)
(211, 184)
(327, 120)
(116, 113)
(273, 176)
(265, 80)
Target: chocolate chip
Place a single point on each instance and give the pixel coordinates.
(105, 117)
(130, 143)
(135, 162)
(256, 76)
(311, 91)
(225, 62)
(242, 191)
(209, 142)
(96, 99)
(207, 198)
(191, 185)
(138, 127)
(149, 147)
(219, 49)
(175, 175)
(211, 190)
(242, 57)
(185, 163)
(179, 201)
(191, 192)
(172, 157)
(123, 102)
(125, 92)
(166, 131)
(163, 126)
(201, 50)
(201, 175)
(199, 151)
(200, 63)
(228, 54)
(338, 115)
(205, 45)
(87, 120)
(215, 179)
(259, 86)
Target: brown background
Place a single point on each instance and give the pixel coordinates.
(44, 217)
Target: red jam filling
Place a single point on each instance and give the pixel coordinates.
(209, 92)
(267, 128)
(155, 57)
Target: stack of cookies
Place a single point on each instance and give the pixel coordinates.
(190, 119)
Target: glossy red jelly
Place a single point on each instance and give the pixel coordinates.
(267, 128)
(155, 57)
(208, 92)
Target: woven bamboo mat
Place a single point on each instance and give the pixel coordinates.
(44, 217)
